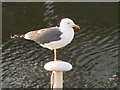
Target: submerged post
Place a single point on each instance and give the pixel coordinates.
(57, 68)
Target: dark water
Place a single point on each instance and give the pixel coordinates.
(93, 52)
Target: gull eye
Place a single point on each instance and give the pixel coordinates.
(68, 23)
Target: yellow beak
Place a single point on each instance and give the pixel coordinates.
(76, 26)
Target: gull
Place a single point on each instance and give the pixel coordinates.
(54, 38)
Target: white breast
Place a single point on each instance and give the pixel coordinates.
(67, 36)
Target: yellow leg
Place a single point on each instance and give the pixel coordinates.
(55, 54)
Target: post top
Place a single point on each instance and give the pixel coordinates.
(58, 66)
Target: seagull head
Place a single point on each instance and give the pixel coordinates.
(68, 23)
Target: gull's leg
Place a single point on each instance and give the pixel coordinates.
(55, 55)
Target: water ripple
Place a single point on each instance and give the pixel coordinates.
(93, 54)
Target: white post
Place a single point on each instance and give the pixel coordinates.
(58, 79)
(57, 68)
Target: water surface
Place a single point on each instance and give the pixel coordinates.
(93, 52)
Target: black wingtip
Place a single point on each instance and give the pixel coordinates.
(20, 37)
(17, 36)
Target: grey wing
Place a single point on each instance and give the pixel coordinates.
(44, 35)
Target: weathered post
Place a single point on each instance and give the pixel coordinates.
(57, 68)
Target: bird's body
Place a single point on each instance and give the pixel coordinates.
(64, 39)
(54, 37)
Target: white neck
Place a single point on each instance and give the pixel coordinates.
(68, 32)
(64, 28)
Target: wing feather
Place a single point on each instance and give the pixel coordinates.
(44, 35)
